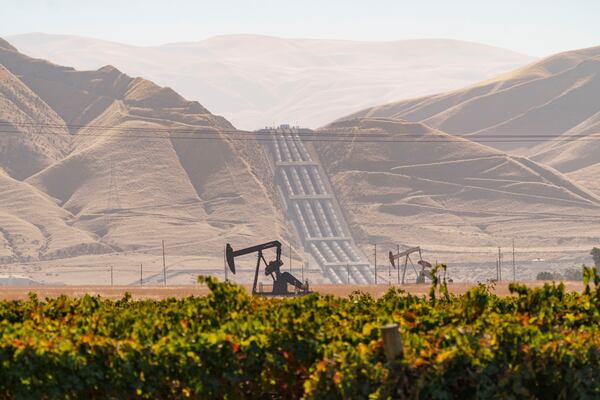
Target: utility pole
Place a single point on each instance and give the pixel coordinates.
(348, 268)
(290, 258)
(141, 275)
(389, 273)
(307, 270)
(111, 275)
(500, 261)
(499, 266)
(513, 257)
(376, 263)
(398, 264)
(164, 265)
(496, 262)
(304, 261)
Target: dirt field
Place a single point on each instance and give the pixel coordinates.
(160, 292)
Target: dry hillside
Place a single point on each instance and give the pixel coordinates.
(588, 177)
(72, 186)
(403, 182)
(549, 111)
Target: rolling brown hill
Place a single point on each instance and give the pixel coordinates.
(588, 177)
(549, 111)
(414, 185)
(100, 162)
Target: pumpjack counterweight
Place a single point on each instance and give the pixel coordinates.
(281, 280)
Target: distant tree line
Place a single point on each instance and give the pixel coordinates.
(596, 256)
(572, 274)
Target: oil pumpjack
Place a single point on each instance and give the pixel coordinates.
(272, 269)
(425, 266)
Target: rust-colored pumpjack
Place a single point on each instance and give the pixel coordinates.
(272, 269)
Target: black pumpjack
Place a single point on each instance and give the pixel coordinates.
(281, 280)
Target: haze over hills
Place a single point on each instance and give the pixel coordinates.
(99, 162)
(555, 103)
(98, 166)
(259, 80)
(419, 186)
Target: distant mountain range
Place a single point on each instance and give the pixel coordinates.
(259, 80)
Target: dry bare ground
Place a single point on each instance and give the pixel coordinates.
(160, 292)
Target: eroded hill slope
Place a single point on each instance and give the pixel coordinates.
(120, 164)
(406, 183)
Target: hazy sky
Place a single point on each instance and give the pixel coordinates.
(528, 26)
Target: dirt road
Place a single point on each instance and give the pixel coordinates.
(161, 292)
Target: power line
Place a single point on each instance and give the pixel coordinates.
(273, 132)
(325, 136)
(342, 132)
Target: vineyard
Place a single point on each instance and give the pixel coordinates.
(537, 343)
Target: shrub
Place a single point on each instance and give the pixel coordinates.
(573, 274)
(547, 276)
(595, 253)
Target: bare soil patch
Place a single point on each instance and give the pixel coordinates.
(163, 292)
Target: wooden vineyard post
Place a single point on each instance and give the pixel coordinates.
(392, 344)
